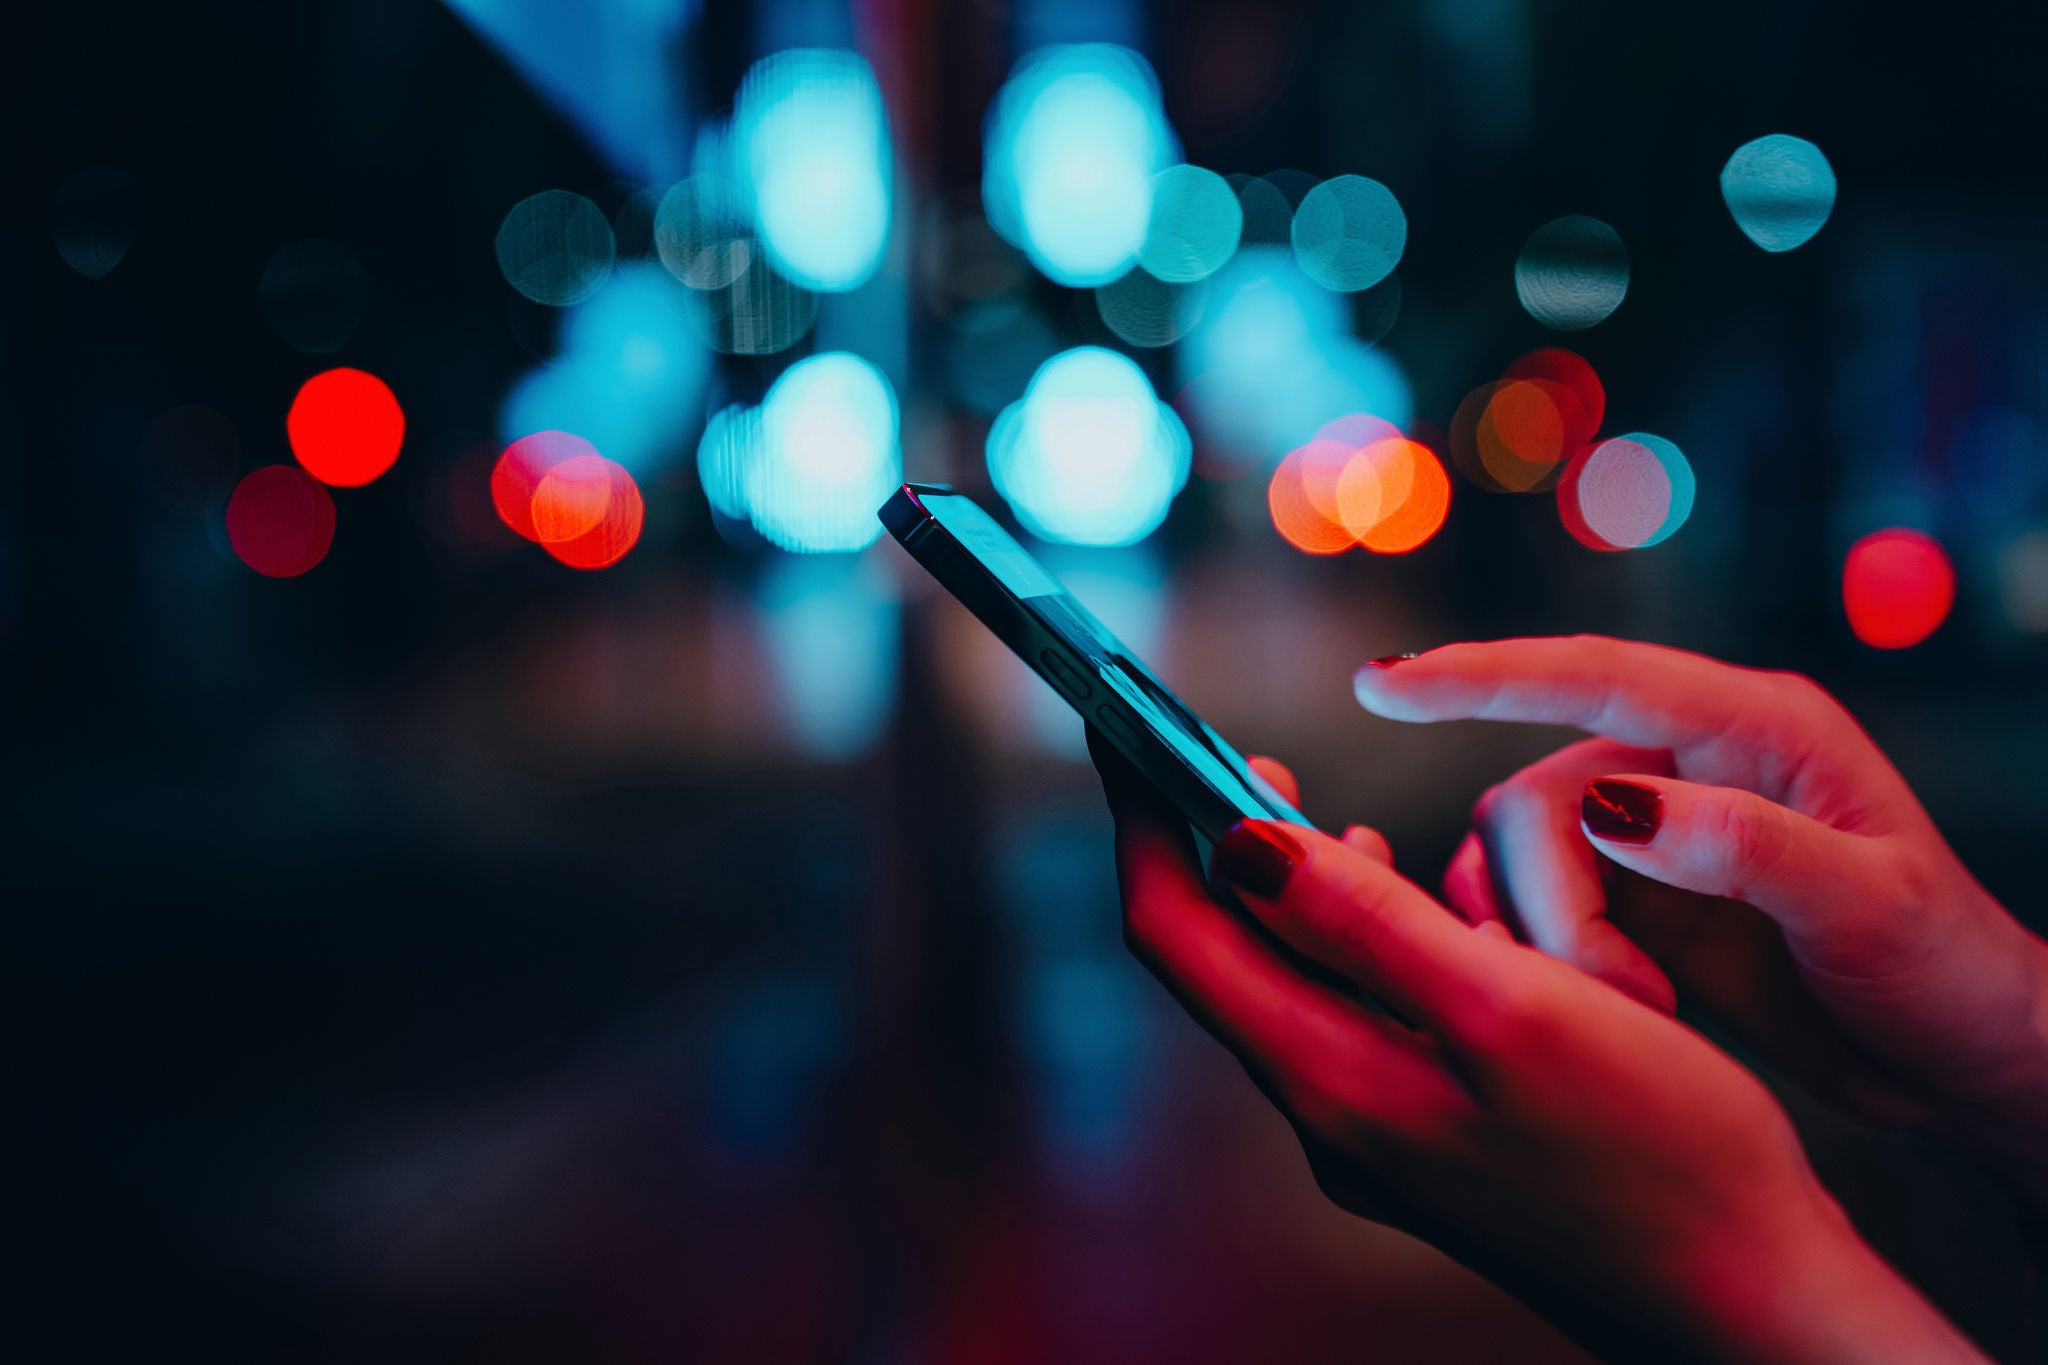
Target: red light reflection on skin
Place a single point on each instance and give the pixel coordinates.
(566, 498)
(1897, 587)
(345, 427)
(280, 521)
(517, 475)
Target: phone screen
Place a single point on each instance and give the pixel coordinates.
(1016, 597)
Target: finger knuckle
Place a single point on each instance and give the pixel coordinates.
(1743, 837)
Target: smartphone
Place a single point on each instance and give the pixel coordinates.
(980, 563)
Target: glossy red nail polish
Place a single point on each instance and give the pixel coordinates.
(1389, 660)
(1621, 812)
(1256, 856)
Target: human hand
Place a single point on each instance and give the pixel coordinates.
(1590, 1154)
(1762, 855)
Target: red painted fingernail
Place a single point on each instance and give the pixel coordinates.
(1621, 812)
(1257, 857)
(1389, 660)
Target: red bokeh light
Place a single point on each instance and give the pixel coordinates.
(345, 427)
(280, 521)
(517, 475)
(611, 512)
(1897, 587)
(1573, 372)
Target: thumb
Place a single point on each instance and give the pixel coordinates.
(1722, 841)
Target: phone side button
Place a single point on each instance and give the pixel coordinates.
(1070, 682)
(1116, 725)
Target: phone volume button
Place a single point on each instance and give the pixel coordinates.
(1116, 725)
(1070, 682)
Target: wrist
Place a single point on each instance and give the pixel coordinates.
(1803, 1286)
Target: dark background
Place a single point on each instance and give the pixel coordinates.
(448, 956)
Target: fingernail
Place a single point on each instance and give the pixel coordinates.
(1389, 660)
(1256, 857)
(1622, 812)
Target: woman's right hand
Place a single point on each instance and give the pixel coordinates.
(1773, 865)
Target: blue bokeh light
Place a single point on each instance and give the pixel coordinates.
(629, 376)
(831, 626)
(1089, 455)
(730, 444)
(1195, 225)
(1072, 145)
(1349, 233)
(828, 457)
(1780, 190)
(812, 141)
(1271, 362)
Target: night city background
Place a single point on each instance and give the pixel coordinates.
(508, 866)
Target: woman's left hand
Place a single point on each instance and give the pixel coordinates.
(1588, 1152)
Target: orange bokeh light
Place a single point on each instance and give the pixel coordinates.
(280, 521)
(1897, 587)
(1409, 522)
(345, 427)
(1295, 513)
(1390, 495)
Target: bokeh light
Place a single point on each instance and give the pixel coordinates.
(314, 294)
(1626, 493)
(518, 473)
(1349, 233)
(588, 512)
(1415, 496)
(1194, 227)
(555, 248)
(92, 219)
(192, 453)
(1072, 145)
(345, 427)
(1359, 482)
(280, 522)
(629, 376)
(731, 442)
(701, 233)
(829, 455)
(812, 141)
(1897, 587)
(2023, 581)
(1270, 363)
(1556, 365)
(758, 312)
(1145, 311)
(1089, 455)
(1572, 273)
(1267, 217)
(1780, 190)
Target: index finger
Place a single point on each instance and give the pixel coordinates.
(1647, 695)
